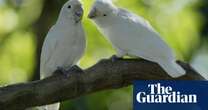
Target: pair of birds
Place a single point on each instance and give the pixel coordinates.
(129, 34)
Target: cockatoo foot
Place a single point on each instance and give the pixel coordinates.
(115, 58)
(66, 73)
(76, 68)
(62, 71)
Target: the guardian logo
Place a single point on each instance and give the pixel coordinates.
(158, 94)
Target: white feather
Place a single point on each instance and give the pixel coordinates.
(134, 36)
(64, 44)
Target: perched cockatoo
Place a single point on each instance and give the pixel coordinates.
(65, 43)
(133, 35)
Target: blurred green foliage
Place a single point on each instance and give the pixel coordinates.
(178, 21)
(17, 41)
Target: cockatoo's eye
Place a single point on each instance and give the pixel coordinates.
(104, 15)
(69, 6)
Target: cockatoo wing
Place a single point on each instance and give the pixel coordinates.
(145, 42)
(47, 51)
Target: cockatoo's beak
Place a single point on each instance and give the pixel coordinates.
(78, 13)
(93, 13)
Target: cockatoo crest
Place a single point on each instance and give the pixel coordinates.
(104, 5)
(105, 1)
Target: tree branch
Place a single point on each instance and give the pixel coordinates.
(102, 76)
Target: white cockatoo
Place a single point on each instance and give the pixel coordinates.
(65, 43)
(132, 35)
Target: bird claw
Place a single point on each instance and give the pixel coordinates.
(62, 71)
(115, 58)
(76, 68)
(66, 73)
